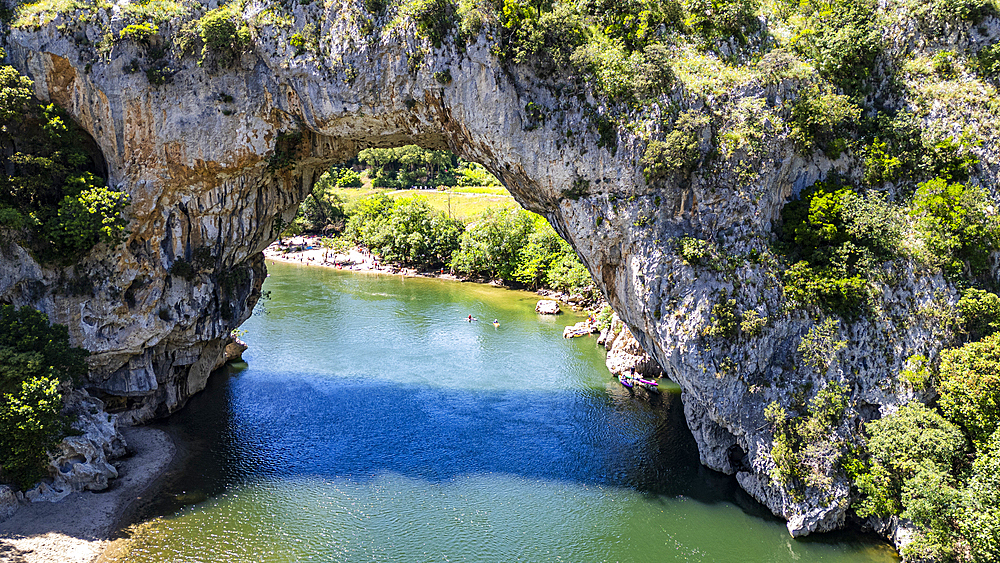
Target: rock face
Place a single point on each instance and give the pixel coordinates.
(8, 502)
(82, 462)
(625, 353)
(215, 159)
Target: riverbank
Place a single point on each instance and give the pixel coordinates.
(305, 250)
(78, 528)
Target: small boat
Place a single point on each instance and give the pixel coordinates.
(624, 380)
(496, 323)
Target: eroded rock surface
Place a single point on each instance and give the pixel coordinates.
(215, 159)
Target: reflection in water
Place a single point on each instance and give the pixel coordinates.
(375, 424)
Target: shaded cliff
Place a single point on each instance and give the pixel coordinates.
(672, 203)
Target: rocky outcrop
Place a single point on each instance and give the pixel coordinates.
(625, 354)
(215, 159)
(82, 462)
(547, 307)
(8, 502)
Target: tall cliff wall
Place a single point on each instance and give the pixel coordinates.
(215, 158)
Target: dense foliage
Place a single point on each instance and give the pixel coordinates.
(35, 357)
(916, 464)
(407, 230)
(51, 194)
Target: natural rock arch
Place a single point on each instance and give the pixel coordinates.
(213, 157)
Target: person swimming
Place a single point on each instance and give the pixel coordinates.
(471, 318)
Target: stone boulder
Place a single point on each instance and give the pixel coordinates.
(8, 502)
(82, 462)
(234, 350)
(547, 307)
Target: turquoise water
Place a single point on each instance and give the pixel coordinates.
(373, 423)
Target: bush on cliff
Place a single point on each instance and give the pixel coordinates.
(225, 36)
(51, 194)
(916, 462)
(35, 357)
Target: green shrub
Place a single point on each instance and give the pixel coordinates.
(678, 151)
(957, 225)
(881, 166)
(980, 313)
(806, 449)
(969, 383)
(298, 42)
(51, 186)
(635, 23)
(979, 519)
(899, 445)
(544, 39)
(723, 18)
(34, 358)
(844, 37)
(874, 223)
(696, 252)
(823, 120)
(945, 158)
(827, 288)
(819, 347)
(138, 32)
(92, 215)
(725, 320)
(752, 323)
(943, 63)
(433, 18)
(935, 15)
(918, 372)
(987, 61)
(225, 36)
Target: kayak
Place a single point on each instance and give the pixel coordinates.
(624, 380)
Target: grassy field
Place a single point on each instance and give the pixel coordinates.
(462, 203)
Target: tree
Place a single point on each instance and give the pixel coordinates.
(969, 383)
(492, 245)
(51, 191)
(35, 357)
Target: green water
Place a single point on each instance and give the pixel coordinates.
(375, 424)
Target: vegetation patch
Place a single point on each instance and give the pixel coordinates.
(52, 196)
(35, 359)
(807, 450)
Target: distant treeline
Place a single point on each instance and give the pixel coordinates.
(511, 245)
(409, 166)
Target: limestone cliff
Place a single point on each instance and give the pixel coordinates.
(215, 158)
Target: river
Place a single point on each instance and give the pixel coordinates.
(372, 422)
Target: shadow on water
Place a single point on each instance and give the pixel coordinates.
(246, 426)
(399, 384)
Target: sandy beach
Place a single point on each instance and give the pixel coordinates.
(77, 529)
(306, 250)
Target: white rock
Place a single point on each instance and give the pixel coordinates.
(547, 307)
(8, 502)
